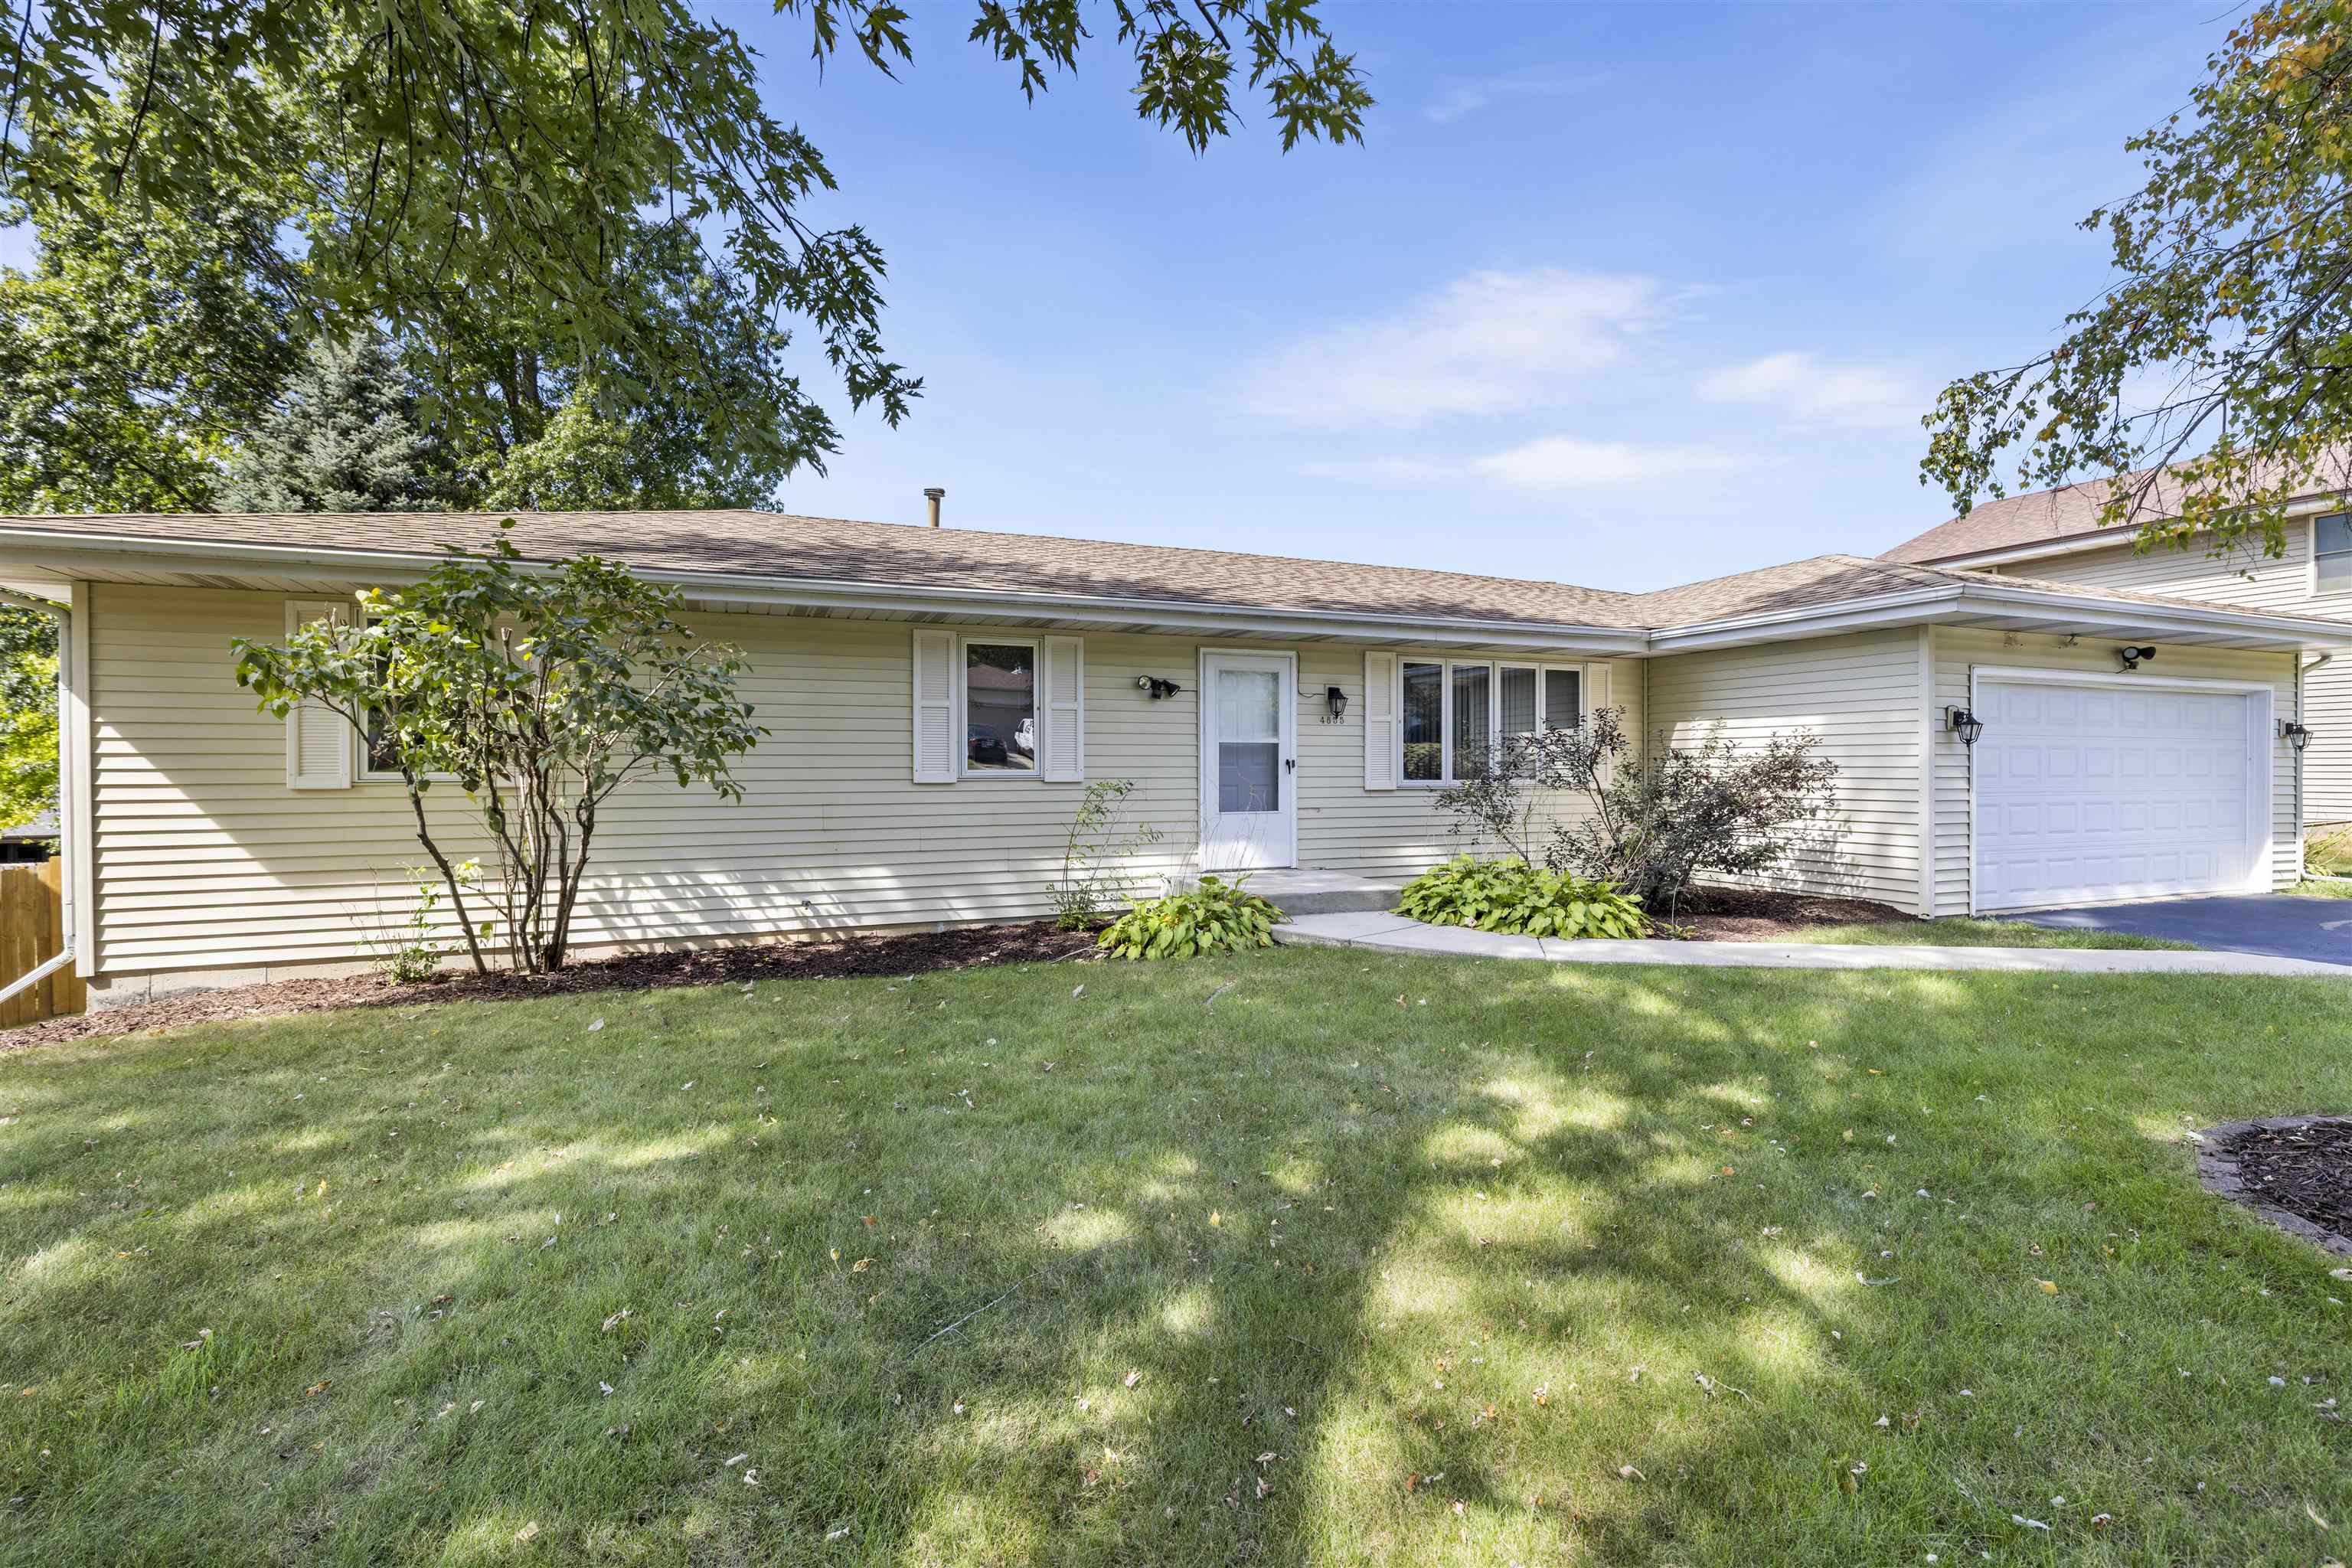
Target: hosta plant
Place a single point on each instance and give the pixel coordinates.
(1509, 895)
(1217, 916)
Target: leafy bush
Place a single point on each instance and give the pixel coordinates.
(1509, 895)
(1215, 917)
(1654, 818)
(1662, 815)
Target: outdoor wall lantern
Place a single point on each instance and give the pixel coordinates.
(2293, 734)
(1157, 689)
(1963, 725)
(2133, 656)
(1335, 703)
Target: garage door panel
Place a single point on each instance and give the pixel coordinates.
(2084, 793)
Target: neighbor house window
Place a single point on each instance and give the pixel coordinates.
(1456, 713)
(1000, 708)
(2331, 554)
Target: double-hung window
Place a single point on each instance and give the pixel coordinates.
(2331, 554)
(1455, 714)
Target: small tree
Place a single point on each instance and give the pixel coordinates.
(541, 692)
(1658, 818)
(1505, 802)
(1094, 856)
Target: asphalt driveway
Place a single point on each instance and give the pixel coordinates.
(2280, 924)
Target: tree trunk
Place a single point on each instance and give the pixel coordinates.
(449, 874)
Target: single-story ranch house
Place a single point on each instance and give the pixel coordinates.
(936, 697)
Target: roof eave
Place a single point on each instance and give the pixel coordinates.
(1921, 606)
(57, 548)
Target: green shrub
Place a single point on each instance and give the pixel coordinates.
(1509, 895)
(1215, 917)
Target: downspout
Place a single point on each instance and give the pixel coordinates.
(65, 652)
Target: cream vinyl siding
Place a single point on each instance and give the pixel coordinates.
(1958, 653)
(2249, 578)
(1860, 695)
(205, 860)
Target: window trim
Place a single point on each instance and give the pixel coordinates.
(2319, 589)
(1495, 665)
(1035, 772)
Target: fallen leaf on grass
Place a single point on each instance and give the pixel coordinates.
(530, 1530)
(2028, 1524)
(1630, 1474)
(592, 1030)
(312, 1391)
(616, 1321)
(2048, 1286)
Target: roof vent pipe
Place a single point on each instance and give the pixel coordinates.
(934, 494)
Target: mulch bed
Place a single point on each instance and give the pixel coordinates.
(912, 952)
(1752, 914)
(2294, 1171)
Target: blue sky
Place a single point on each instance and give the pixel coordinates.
(1622, 296)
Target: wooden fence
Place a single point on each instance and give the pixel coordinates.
(32, 931)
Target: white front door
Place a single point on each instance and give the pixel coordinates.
(1249, 761)
(2113, 789)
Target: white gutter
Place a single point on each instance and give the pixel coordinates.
(823, 593)
(41, 972)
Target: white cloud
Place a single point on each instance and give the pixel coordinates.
(1548, 463)
(1565, 463)
(1859, 397)
(1460, 97)
(1490, 343)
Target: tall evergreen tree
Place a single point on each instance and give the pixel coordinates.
(343, 438)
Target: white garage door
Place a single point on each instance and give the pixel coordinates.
(2089, 793)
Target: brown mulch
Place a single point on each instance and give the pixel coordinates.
(1753, 914)
(911, 953)
(2302, 1165)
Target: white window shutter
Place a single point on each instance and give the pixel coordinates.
(1379, 721)
(1063, 759)
(319, 743)
(935, 705)
(1596, 689)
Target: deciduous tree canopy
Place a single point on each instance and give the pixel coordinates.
(2225, 349)
(520, 195)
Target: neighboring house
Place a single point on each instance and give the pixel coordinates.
(936, 699)
(2055, 536)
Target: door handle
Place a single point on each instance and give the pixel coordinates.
(1290, 764)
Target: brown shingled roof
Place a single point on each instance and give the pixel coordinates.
(1835, 579)
(784, 547)
(2071, 512)
(780, 545)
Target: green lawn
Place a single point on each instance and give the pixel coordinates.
(1959, 933)
(1313, 1257)
(2325, 888)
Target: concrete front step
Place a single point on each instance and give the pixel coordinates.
(1310, 891)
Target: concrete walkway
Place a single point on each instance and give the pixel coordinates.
(1393, 934)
